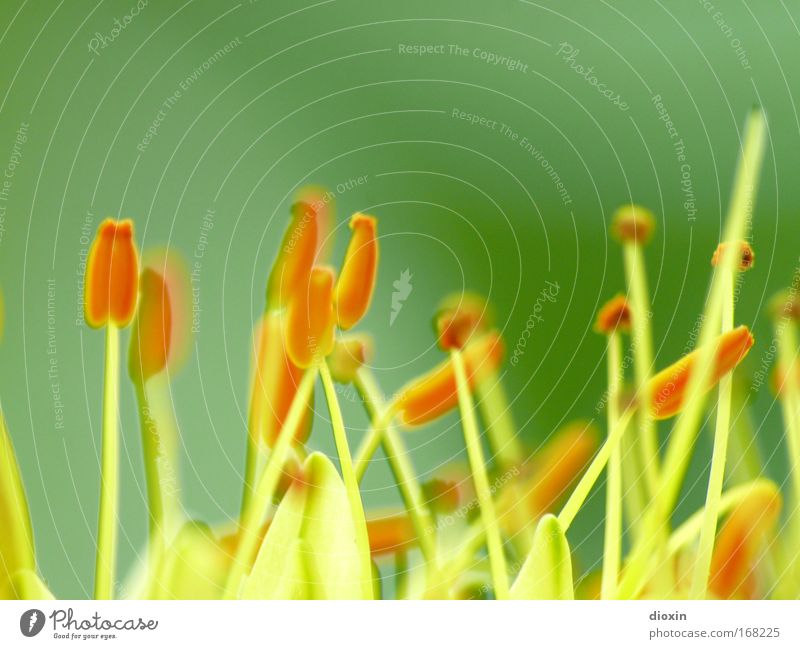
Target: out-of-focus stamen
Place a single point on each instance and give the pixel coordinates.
(357, 279)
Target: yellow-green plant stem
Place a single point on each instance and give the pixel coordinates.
(380, 417)
(250, 466)
(265, 488)
(16, 539)
(612, 545)
(160, 449)
(399, 461)
(105, 563)
(691, 528)
(401, 574)
(494, 544)
(744, 459)
(593, 471)
(719, 458)
(645, 553)
(346, 465)
(634, 494)
(790, 404)
(499, 423)
(253, 451)
(476, 539)
(643, 361)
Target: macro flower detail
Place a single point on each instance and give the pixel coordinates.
(357, 278)
(498, 521)
(614, 316)
(633, 223)
(435, 393)
(349, 354)
(748, 529)
(151, 337)
(276, 380)
(747, 257)
(668, 387)
(296, 256)
(459, 318)
(310, 319)
(112, 275)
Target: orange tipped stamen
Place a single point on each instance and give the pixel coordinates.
(311, 320)
(348, 356)
(357, 281)
(747, 258)
(275, 383)
(668, 387)
(738, 543)
(615, 315)
(112, 275)
(323, 202)
(435, 393)
(459, 318)
(296, 256)
(560, 464)
(389, 533)
(152, 329)
(633, 224)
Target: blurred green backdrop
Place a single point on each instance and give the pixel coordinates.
(493, 140)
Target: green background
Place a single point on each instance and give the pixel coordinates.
(320, 92)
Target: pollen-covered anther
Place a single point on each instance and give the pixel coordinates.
(435, 393)
(349, 354)
(112, 275)
(633, 224)
(459, 318)
(275, 383)
(614, 316)
(747, 257)
(310, 320)
(743, 536)
(296, 256)
(668, 388)
(357, 280)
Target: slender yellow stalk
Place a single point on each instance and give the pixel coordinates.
(494, 544)
(250, 467)
(379, 420)
(151, 450)
(691, 528)
(719, 458)
(613, 525)
(744, 458)
(401, 574)
(265, 488)
(790, 404)
(16, 540)
(500, 430)
(634, 493)
(160, 450)
(346, 465)
(645, 555)
(643, 360)
(593, 471)
(109, 472)
(399, 461)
